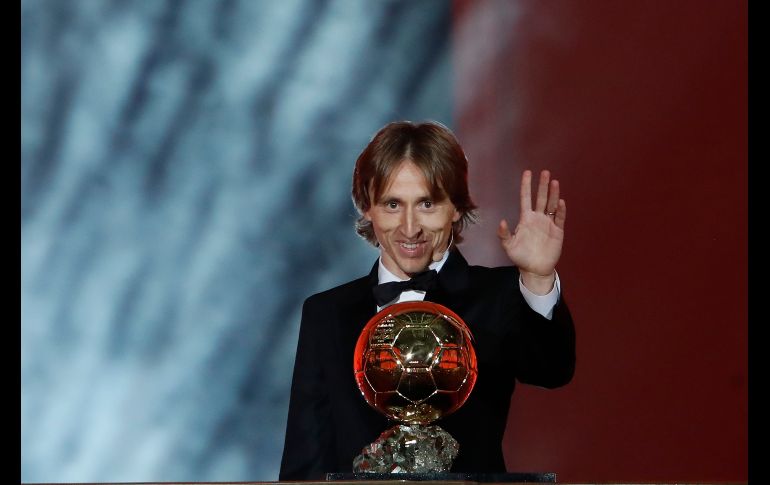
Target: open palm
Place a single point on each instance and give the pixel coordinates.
(536, 242)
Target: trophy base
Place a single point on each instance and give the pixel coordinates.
(408, 449)
(453, 477)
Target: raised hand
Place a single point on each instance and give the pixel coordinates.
(536, 242)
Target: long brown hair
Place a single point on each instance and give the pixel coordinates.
(433, 148)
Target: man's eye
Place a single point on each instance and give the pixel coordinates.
(427, 204)
(392, 205)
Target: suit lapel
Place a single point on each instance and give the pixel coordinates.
(356, 312)
(454, 281)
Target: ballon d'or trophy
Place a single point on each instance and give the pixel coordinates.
(415, 363)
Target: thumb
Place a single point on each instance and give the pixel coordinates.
(502, 230)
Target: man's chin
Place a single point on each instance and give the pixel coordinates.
(413, 269)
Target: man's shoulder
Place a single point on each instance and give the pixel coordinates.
(493, 276)
(486, 272)
(492, 270)
(346, 292)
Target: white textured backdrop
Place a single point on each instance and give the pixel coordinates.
(185, 185)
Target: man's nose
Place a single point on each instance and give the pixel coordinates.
(410, 224)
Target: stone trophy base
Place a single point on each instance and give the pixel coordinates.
(453, 477)
(412, 448)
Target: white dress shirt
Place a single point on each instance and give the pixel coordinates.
(542, 304)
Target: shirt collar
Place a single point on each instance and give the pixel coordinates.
(385, 276)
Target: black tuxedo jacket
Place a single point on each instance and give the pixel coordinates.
(329, 421)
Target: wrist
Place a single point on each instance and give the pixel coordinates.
(536, 283)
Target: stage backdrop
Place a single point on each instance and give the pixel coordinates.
(185, 175)
(640, 109)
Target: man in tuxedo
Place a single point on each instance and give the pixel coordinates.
(410, 188)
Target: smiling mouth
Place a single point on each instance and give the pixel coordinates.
(410, 246)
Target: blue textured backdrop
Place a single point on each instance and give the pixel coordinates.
(185, 185)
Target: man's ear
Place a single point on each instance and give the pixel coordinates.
(456, 216)
(367, 216)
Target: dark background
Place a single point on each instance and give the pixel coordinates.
(640, 109)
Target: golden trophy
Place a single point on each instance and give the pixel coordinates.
(415, 363)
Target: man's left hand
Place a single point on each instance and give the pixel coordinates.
(536, 242)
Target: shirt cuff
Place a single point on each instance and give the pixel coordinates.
(542, 304)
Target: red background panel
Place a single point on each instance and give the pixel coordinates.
(640, 110)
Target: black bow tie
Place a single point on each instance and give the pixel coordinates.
(387, 292)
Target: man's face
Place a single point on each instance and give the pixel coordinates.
(410, 225)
